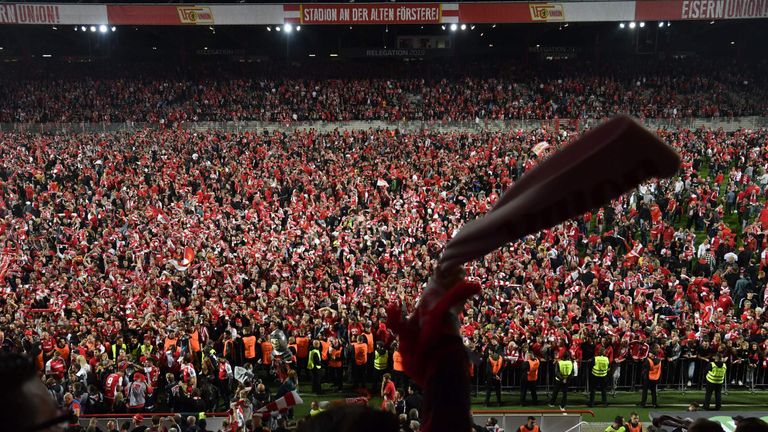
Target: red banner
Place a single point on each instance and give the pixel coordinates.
(496, 13)
(700, 9)
(426, 13)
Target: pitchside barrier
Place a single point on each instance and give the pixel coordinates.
(214, 421)
(726, 123)
(547, 420)
(509, 420)
(627, 376)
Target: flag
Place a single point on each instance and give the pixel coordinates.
(539, 148)
(281, 405)
(381, 183)
(186, 261)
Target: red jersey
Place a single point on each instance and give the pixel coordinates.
(110, 385)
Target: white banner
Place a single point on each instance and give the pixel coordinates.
(26, 13)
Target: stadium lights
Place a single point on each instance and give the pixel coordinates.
(312, 55)
(493, 26)
(482, 34)
(632, 25)
(333, 55)
(440, 26)
(711, 22)
(298, 28)
(77, 28)
(278, 28)
(47, 56)
(463, 26)
(288, 28)
(55, 28)
(642, 24)
(661, 24)
(490, 45)
(102, 28)
(93, 29)
(454, 27)
(669, 24)
(269, 28)
(83, 28)
(114, 29)
(473, 27)
(733, 42)
(621, 25)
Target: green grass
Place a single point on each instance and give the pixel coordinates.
(621, 404)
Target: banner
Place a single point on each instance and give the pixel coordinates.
(351, 13)
(701, 9)
(381, 13)
(29, 13)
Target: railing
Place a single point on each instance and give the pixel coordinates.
(215, 420)
(626, 376)
(548, 420)
(728, 124)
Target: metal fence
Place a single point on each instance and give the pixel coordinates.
(679, 375)
(728, 124)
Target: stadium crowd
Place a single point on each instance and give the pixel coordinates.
(147, 270)
(447, 93)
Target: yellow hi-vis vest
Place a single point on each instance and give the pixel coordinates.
(380, 360)
(600, 369)
(566, 367)
(717, 374)
(314, 359)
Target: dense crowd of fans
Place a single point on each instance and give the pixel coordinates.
(148, 269)
(442, 93)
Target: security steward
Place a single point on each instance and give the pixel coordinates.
(563, 374)
(315, 365)
(715, 380)
(599, 377)
(493, 377)
(651, 375)
(529, 379)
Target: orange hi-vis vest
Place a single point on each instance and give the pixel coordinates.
(361, 353)
(495, 365)
(654, 372)
(266, 352)
(369, 339)
(324, 349)
(638, 428)
(335, 358)
(302, 347)
(397, 362)
(525, 428)
(169, 342)
(250, 346)
(533, 370)
(194, 342)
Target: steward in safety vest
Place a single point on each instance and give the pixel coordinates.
(563, 374)
(715, 380)
(651, 374)
(249, 347)
(617, 425)
(634, 424)
(528, 381)
(529, 426)
(599, 377)
(380, 357)
(335, 369)
(314, 364)
(493, 377)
